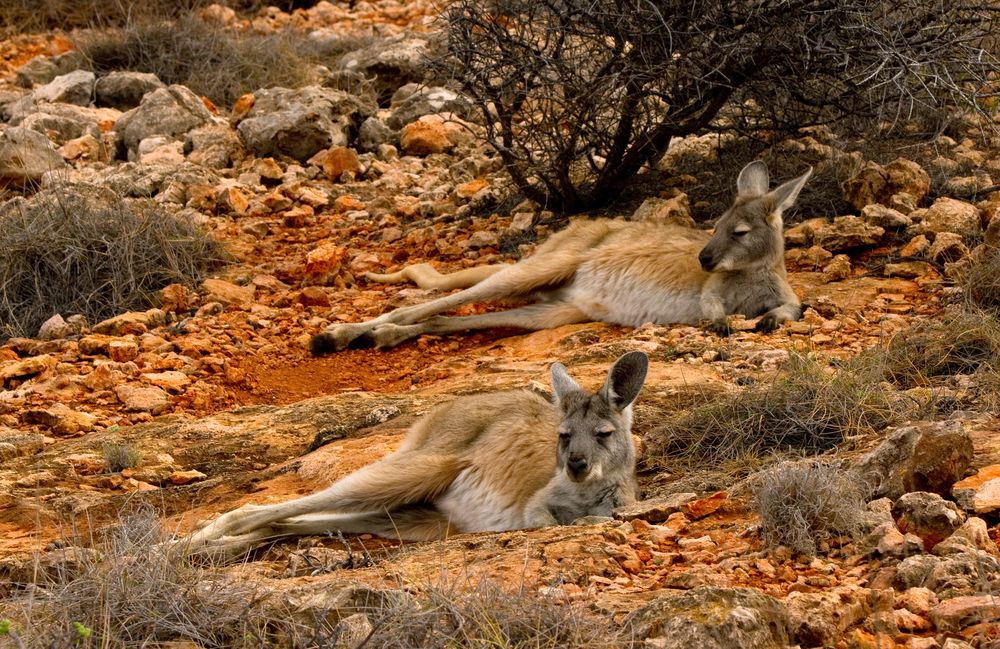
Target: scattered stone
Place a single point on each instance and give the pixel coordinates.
(131, 322)
(843, 233)
(26, 368)
(884, 217)
(60, 419)
(971, 535)
(124, 89)
(671, 211)
(820, 619)
(25, 156)
(655, 510)
(170, 111)
(949, 215)
(712, 618)
(909, 269)
(143, 398)
(414, 100)
(927, 515)
(962, 612)
(185, 477)
(702, 507)
(338, 163)
(924, 456)
(41, 69)
(299, 123)
(217, 290)
(172, 381)
(947, 247)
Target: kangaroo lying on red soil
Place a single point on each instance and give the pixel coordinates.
(614, 271)
(489, 462)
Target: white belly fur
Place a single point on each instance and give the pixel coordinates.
(623, 301)
(474, 507)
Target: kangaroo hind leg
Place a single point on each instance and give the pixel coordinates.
(427, 277)
(419, 522)
(531, 317)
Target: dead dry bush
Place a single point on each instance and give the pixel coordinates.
(955, 342)
(487, 616)
(804, 409)
(981, 283)
(801, 504)
(86, 250)
(23, 16)
(130, 591)
(210, 60)
(579, 96)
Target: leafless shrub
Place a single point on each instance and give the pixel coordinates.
(955, 342)
(802, 503)
(131, 591)
(88, 250)
(487, 616)
(578, 96)
(981, 283)
(804, 409)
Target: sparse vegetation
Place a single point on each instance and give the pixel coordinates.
(130, 591)
(957, 342)
(120, 455)
(487, 616)
(801, 504)
(578, 97)
(806, 408)
(211, 61)
(88, 250)
(981, 283)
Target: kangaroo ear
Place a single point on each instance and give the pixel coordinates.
(785, 195)
(562, 384)
(625, 379)
(753, 180)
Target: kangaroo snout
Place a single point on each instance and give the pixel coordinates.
(706, 259)
(577, 468)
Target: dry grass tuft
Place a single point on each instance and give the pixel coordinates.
(981, 283)
(956, 342)
(801, 504)
(87, 250)
(487, 616)
(119, 455)
(804, 409)
(210, 60)
(130, 591)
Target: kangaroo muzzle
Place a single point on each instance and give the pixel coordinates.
(707, 260)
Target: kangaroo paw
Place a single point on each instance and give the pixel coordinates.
(340, 337)
(767, 323)
(719, 327)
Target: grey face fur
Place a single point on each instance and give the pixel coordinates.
(594, 431)
(749, 234)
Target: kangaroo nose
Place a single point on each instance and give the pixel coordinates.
(706, 260)
(577, 465)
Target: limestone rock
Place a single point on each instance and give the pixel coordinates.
(924, 456)
(884, 217)
(927, 515)
(433, 134)
(971, 535)
(979, 493)
(947, 247)
(713, 618)
(655, 510)
(143, 398)
(131, 321)
(76, 87)
(25, 368)
(171, 111)
(214, 145)
(374, 133)
(217, 290)
(843, 233)
(672, 211)
(389, 64)
(299, 123)
(124, 89)
(25, 156)
(338, 161)
(413, 101)
(877, 184)
(61, 419)
(949, 215)
(819, 619)
(962, 612)
(42, 69)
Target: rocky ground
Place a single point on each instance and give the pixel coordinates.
(310, 188)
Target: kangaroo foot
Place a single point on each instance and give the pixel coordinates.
(767, 323)
(719, 327)
(339, 337)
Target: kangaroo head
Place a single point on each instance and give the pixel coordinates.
(749, 234)
(595, 430)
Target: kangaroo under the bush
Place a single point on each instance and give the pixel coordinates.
(489, 462)
(614, 271)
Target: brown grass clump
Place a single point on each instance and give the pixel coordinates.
(212, 61)
(131, 591)
(955, 342)
(981, 283)
(804, 409)
(487, 616)
(801, 504)
(119, 456)
(87, 250)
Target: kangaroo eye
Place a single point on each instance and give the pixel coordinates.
(740, 233)
(604, 434)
